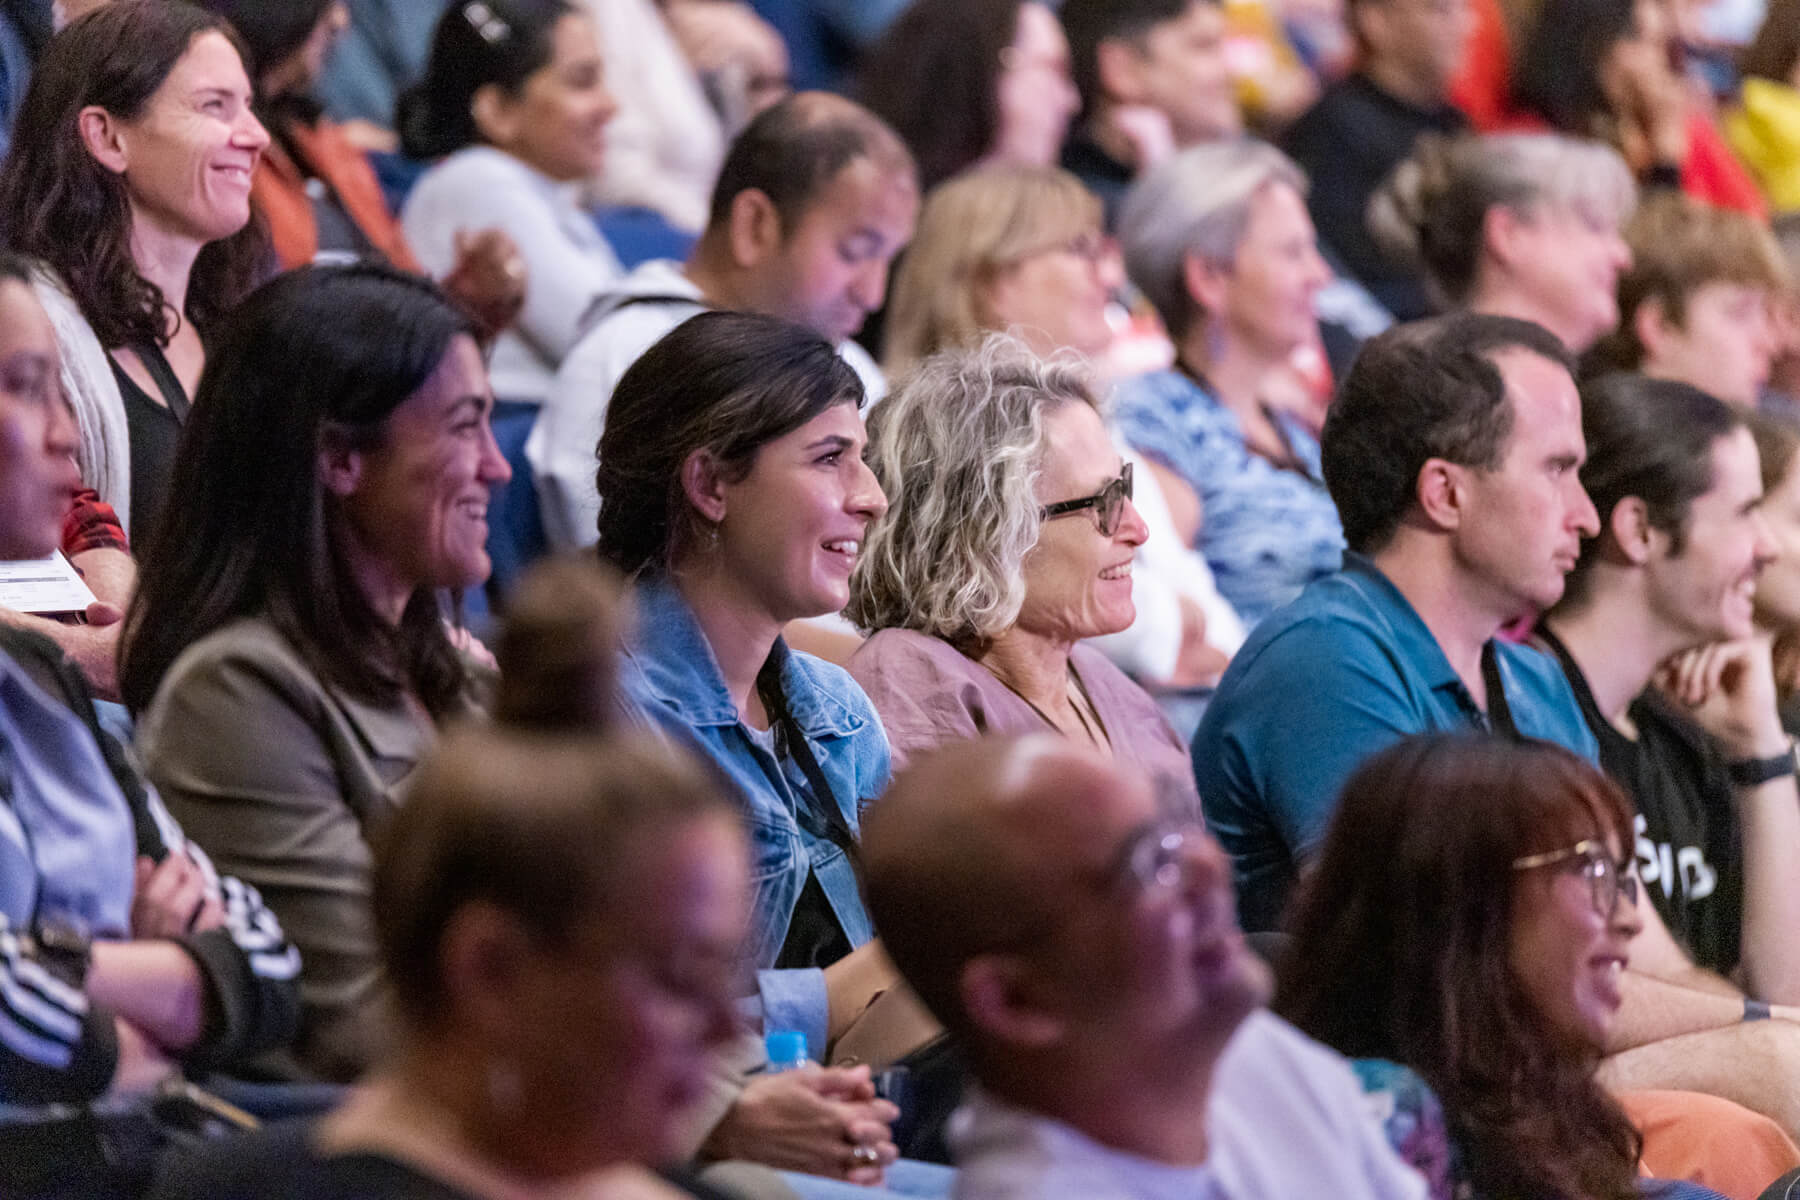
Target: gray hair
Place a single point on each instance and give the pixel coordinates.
(958, 447)
(1432, 211)
(1195, 203)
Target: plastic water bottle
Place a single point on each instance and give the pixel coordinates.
(786, 1049)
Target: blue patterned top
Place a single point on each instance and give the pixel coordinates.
(1267, 531)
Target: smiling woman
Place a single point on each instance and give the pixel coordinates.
(287, 655)
(1010, 540)
(513, 109)
(129, 184)
(733, 493)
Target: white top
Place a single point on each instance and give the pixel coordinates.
(1287, 1120)
(628, 320)
(665, 145)
(1165, 570)
(567, 261)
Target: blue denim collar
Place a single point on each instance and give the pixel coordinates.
(680, 670)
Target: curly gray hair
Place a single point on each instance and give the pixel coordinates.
(958, 447)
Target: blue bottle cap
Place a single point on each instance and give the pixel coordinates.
(785, 1046)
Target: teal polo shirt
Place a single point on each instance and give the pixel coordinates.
(1346, 669)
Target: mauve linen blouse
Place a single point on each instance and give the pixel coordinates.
(927, 693)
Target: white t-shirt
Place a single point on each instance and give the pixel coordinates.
(1286, 1121)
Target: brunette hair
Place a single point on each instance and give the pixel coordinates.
(935, 78)
(477, 43)
(1678, 246)
(559, 647)
(723, 382)
(270, 32)
(1649, 438)
(542, 826)
(255, 532)
(1776, 48)
(1417, 392)
(1557, 73)
(1399, 951)
(793, 150)
(68, 211)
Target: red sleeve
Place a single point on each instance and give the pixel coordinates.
(91, 524)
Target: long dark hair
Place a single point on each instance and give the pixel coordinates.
(270, 32)
(319, 350)
(60, 206)
(1399, 951)
(502, 42)
(724, 382)
(1557, 77)
(1649, 438)
(935, 78)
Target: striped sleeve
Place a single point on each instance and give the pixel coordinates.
(252, 971)
(54, 1046)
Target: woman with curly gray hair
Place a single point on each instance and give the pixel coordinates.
(1009, 539)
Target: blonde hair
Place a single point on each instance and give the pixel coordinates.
(1679, 245)
(970, 227)
(958, 447)
(1432, 211)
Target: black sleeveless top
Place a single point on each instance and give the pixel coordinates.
(155, 431)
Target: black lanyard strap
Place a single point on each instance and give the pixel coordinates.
(1498, 710)
(826, 818)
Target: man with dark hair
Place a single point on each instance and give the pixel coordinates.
(1452, 454)
(1153, 79)
(1671, 579)
(1367, 123)
(1080, 946)
(815, 198)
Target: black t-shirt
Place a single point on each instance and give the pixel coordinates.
(1348, 143)
(279, 1162)
(1689, 853)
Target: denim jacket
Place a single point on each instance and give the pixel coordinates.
(670, 675)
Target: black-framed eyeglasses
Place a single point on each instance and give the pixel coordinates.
(1607, 879)
(1108, 503)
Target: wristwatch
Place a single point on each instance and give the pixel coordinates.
(1751, 772)
(64, 949)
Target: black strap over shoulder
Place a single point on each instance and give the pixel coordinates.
(1499, 710)
(819, 812)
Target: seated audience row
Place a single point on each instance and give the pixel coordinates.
(125, 957)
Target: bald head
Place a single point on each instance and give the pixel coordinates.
(976, 848)
(795, 148)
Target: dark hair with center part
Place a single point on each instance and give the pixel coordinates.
(481, 42)
(727, 383)
(1418, 392)
(1400, 952)
(935, 78)
(319, 351)
(1557, 76)
(65, 209)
